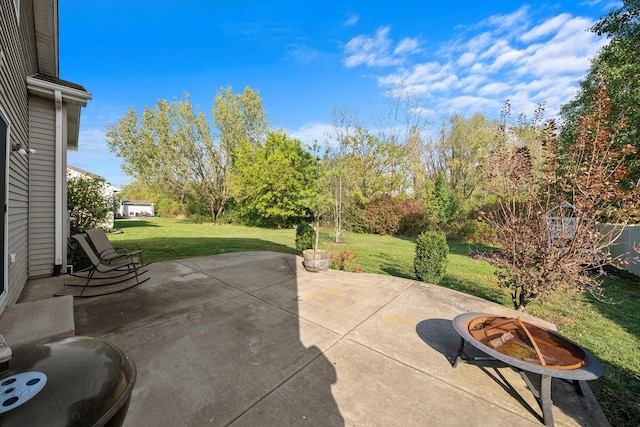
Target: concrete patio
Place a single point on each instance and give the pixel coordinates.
(252, 339)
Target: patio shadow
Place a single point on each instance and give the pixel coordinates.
(209, 351)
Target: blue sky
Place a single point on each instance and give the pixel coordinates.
(308, 57)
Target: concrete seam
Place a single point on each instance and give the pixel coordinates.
(322, 352)
(437, 379)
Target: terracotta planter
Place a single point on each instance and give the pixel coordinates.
(316, 261)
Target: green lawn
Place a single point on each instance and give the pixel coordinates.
(165, 239)
(611, 331)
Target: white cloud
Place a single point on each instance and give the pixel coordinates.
(302, 54)
(607, 6)
(508, 23)
(467, 49)
(505, 57)
(479, 68)
(430, 74)
(569, 51)
(352, 20)
(470, 83)
(378, 50)
(310, 132)
(467, 103)
(498, 47)
(424, 112)
(548, 27)
(494, 89)
(405, 46)
(466, 59)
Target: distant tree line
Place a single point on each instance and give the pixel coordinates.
(389, 179)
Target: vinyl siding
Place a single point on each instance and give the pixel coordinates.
(17, 60)
(42, 187)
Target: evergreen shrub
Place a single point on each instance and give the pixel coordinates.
(430, 262)
(305, 237)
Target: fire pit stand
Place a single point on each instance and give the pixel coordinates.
(527, 348)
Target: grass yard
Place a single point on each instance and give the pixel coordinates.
(165, 239)
(611, 331)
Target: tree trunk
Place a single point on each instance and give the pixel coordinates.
(315, 248)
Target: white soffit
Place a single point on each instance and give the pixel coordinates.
(45, 13)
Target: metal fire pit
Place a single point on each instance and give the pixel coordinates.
(528, 348)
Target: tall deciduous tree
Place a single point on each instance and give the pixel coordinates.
(618, 66)
(462, 147)
(273, 181)
(366, 166)
(171, 148)
(239, 117)
(403, 122)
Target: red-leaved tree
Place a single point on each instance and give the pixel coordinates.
(550, 209)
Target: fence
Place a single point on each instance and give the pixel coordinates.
(622, 251)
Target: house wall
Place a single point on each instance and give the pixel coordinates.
(42, 188)
(17, 60)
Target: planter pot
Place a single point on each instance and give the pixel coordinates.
(316, 261)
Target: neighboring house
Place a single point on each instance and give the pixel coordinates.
(109, 190)
(130, 208)
(39, 122)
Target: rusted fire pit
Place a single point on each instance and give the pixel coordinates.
(528, 348)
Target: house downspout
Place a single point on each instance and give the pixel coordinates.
(58, 173)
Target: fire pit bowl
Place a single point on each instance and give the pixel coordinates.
(526, 342)
(527, 348)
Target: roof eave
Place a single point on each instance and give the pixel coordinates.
(47, 89)
(47, 36)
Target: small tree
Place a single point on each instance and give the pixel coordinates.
(318, 196)
(580, 188)
(338, 200)
(430, 262)
(446, 201)
(87, 202)
(89, 205)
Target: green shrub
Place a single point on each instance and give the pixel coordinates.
(471, 231)
(430, 262)
(305, 237)
(354, 219)
(87, 202)
(76, 256)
